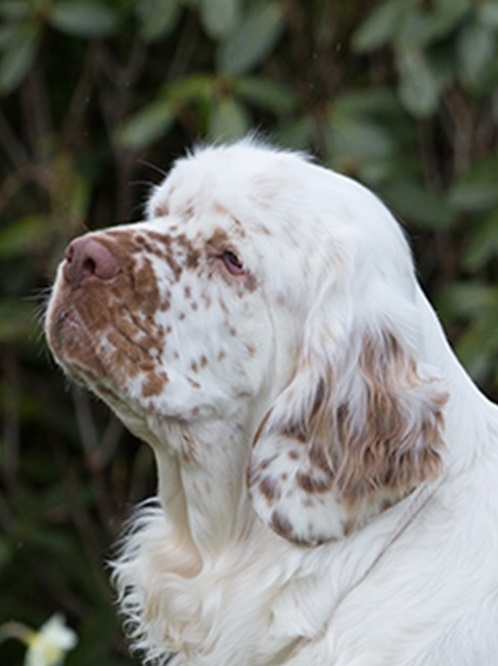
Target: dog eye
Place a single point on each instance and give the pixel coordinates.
(232, 262)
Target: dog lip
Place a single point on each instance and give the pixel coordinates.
(71, 342)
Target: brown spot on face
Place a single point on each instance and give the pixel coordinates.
(264, 230)
(219, 208)
(250, 282)
(145, 285)
(193, 383)
(154, 384)
(188, 212)
(203, 361)
(162, 210)
(218, 242)
(126, 360)
(192, 258)
(177, 251)
(166, 302)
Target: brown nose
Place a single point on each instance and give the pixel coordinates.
(88, 258)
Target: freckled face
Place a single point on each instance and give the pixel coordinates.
(178, 329)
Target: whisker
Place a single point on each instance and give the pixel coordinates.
(152, 166)
(142, 183)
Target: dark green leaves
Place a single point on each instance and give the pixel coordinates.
(253, 38)
(82, 19)
(18, 46)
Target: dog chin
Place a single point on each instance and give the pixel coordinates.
(72, 345)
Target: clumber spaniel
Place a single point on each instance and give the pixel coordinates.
(328, 473)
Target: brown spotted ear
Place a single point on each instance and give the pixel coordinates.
(346, 440)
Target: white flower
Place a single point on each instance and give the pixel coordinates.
(49, 645)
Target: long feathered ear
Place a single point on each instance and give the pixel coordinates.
(354, 432)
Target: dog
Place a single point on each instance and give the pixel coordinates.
(327, 471)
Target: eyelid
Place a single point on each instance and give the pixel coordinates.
(232, 262)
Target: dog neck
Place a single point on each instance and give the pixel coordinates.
(201, 482)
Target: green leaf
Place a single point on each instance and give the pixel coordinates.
(478, 345)
(418, 205)
(368, 102)
(380, 27)
(146, 126)
(423, 26)
(297, 134)
(476, 51)
(228, 121)
(15, 10)
(476, 190)
(483, 246)
(474, 196)
(219, 17)
(446, 16)
(252, 40)
(468, 299)
(20, 236)
(19, 45)
(488, 13)
(157, 18)
(265, 94)
(197, 87)
(358, 138)
(418, 88)
(83, 19)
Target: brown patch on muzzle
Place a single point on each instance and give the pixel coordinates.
(100, 318)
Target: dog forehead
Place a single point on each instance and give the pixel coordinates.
(234, 178)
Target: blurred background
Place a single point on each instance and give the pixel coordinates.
(97, 97)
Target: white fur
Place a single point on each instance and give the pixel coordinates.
(200, 576)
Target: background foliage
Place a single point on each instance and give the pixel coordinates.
(401, 94)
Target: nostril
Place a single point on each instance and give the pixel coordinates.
(87, 258)
(89, 266)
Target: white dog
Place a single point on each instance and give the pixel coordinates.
(328, 473)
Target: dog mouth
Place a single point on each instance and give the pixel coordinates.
(71, 343)
(97, 344)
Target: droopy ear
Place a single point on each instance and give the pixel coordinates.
(346, 439)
